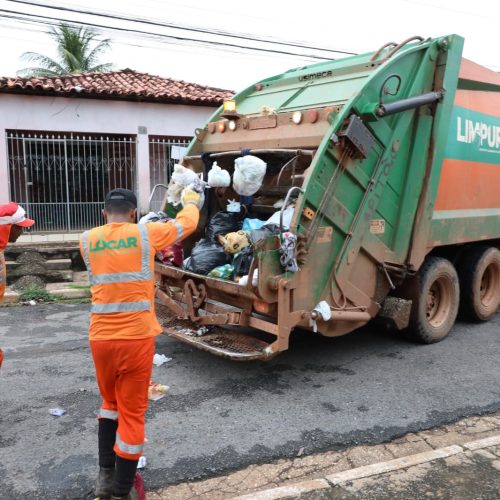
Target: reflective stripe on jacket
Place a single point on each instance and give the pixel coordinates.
(138, 237)
(120, 261)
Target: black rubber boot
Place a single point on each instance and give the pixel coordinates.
(131, 496)
(104, 485)
(123, 485)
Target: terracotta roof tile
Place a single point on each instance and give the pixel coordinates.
(125, 84)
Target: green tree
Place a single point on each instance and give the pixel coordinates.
(77, 50)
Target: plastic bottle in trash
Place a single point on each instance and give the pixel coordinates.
(223, 272)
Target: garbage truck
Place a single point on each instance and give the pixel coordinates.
(390, 163)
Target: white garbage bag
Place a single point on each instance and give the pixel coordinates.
(287, 218)
(249, 172)
(233, 206)
(181, 178)
(217, 177)
(255, 279)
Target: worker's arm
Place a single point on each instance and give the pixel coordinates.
(164, 235)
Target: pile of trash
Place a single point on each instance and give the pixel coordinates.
(226, 251)
(172, 255)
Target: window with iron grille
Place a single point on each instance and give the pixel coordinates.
(62, 178)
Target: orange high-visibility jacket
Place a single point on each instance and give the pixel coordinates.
(3, 284)
(120, 261)
(4, 239)
(3, 276)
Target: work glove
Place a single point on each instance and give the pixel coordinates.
(193, 195)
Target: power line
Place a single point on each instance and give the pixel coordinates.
(154, 38)
(194, 29)
(11, 14)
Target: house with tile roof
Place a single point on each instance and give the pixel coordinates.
(70, 139)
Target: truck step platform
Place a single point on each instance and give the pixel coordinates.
(214, 339)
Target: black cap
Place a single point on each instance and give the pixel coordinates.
(120, 197)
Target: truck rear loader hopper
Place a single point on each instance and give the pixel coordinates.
(392, 162)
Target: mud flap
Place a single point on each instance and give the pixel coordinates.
(395, 313)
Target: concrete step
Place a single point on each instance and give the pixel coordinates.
(51, 265)
(67, 291)
(36, 269)
(71, 251)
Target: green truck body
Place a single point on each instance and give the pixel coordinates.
(392, 160)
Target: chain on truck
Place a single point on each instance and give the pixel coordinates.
(389, 162)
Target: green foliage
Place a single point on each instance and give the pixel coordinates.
(76, 53)
(35, 293)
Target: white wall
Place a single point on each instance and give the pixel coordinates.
(76, 114)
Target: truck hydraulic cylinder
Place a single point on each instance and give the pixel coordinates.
(410, 103)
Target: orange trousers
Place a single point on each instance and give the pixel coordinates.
(123, 369)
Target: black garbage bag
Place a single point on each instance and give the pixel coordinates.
(205, 256)
(223, 223)
(242, 262)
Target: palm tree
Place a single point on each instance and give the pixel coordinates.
(75, 53)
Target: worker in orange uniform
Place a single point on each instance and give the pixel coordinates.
(120, 260)
(12, 220)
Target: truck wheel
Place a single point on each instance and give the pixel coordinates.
(435, 301)
(479, 276)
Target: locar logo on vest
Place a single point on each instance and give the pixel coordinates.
(102, 244)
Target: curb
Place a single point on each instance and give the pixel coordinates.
(368, 470)
(66, 293)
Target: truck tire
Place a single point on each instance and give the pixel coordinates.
(435, 301)
(479, 275)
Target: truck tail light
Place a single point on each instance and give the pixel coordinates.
(312, 116)
(297, 117)
(230, 105)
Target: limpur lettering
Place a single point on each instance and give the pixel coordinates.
(469, 131)
(113, 244)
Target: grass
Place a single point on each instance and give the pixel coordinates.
(39, 295)
(80, 287)
(35, 293)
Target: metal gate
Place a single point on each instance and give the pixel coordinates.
(164, 153)
(62, 179)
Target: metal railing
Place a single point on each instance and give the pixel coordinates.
(62, 178)
(164, 153)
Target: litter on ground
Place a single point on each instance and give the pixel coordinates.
(57, 412)
(157, 391)
(160, 359)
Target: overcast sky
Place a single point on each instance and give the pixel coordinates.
(351, 26)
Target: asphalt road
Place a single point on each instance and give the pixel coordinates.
(366, 387)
